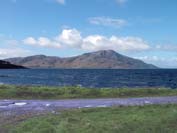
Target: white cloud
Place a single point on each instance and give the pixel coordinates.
(120, 2)
(150, 58)
(95, 42)
(123, 44)
(42, 41)
(106, 21)
(129, 43)
(13, 52)
(61, 1)
(71, 38)
(164, 62)
(30, 41)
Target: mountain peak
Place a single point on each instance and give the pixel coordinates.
(106, 52)
(38, 56)
(102, 53)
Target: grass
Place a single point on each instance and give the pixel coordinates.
(139, 119)
(44, 92)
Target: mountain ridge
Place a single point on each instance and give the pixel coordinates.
(103, 59)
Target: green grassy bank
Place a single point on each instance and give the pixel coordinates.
(143, 119)
(42, 92)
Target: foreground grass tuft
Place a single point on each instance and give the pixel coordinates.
(143, 119)
(44, 92)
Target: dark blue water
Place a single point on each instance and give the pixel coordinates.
(91, 78)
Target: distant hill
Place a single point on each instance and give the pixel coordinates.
(7, 65)
(104, 59)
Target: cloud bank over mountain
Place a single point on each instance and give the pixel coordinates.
(72, 38)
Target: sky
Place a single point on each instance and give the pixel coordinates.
(142, 29)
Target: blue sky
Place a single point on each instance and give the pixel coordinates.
(143, 29)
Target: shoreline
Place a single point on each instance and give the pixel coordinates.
(17, 104)
(15, 113)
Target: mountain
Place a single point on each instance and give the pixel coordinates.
(7, 65)
(103, 59)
